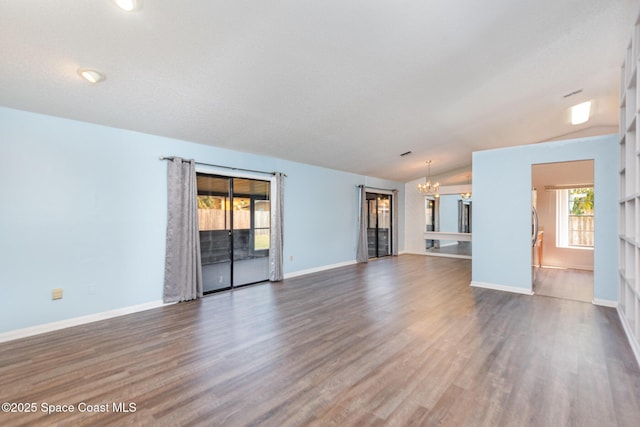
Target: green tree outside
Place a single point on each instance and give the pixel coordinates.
(583, 201)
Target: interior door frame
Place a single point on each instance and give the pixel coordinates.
(540, 192)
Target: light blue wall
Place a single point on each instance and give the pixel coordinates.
(84, 209)
(449, 216)
(502, 211)
(449, 213)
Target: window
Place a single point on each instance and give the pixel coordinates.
(213, 212)
(574, 217)
(241, 213)
(262, 226)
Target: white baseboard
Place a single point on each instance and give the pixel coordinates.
(605, 302)
(75, 321)
(501, 288)
(635, 346)
(318, 269)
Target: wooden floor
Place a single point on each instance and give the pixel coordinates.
(564, 283)
(401, 341)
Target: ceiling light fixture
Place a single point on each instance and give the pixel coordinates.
(580, 113)
(427, 188)
(92, 76)
(129, 5)
(467, 195)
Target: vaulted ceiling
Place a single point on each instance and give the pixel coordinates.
(348, 84)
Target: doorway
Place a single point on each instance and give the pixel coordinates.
(562, 256)
(234, 217)
(379, 208)
(431, 215)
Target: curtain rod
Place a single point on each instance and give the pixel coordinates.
(567, 186)
(224, 167)
(374, 188)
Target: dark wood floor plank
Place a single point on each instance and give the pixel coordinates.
(399, 341)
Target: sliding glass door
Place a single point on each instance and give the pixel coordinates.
(251, 216)
(379, 224)
(234, 221)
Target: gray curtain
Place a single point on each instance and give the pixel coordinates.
(183, 267)
(276, 272)
(362, 254)
(394, 223)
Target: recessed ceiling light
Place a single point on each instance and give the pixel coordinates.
(90, 75)
(580, 113)
(129, 5)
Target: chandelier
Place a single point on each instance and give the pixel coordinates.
(427, 188)
(467, 195)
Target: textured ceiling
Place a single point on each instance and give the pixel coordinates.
(348, 85)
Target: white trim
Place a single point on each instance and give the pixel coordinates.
(577, 248)
(374, 190)
(635, 346)
(501, 288)
(605, 302)
(445, 235)
(318, 269)
(75, 321)
(231, 173)
(568, 267)
(562, 218)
